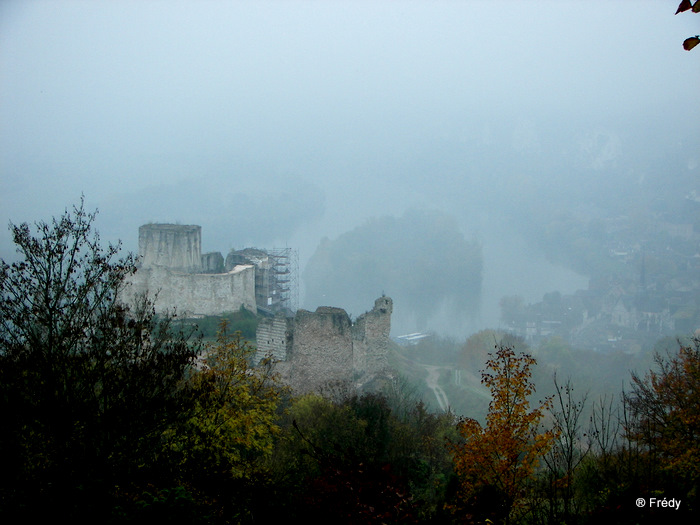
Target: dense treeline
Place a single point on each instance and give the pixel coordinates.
(114, 415)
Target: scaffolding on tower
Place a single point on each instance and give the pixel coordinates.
(283, 279)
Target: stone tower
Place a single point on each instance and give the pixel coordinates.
(370, 335)
(174, 246)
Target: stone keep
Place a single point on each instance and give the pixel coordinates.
(174, 246)
(170, 271)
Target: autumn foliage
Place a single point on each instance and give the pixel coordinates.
(496, 461)
(113, 414)
(666, 413)
(233, 422)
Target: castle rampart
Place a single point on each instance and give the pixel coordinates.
(323, 351)
(198, 294)
(170, 271)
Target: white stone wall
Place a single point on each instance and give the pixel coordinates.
(274, 337)
(205, 294)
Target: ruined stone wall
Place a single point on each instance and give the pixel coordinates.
(274, 337)
(174, 246)
(170, 271)
(370, 338)
(321, 356)
(206, 294)
(324, 352)
(213, 262)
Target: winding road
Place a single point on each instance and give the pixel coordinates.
(432, 381)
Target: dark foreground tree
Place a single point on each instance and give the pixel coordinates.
(88, 386)
(665, 418)
(224, 447)
(569, 449)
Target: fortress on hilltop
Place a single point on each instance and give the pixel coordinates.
(321, 351)
(175, 273)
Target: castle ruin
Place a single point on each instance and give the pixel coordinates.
(175, 273)
(322, 351)
(174, 246)
(325, 351)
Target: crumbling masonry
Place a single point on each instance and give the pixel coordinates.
(324, 352)
(321, 351)
(175, 273)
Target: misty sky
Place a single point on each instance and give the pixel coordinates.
(280, 123)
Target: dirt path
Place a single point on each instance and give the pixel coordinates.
(432, 381)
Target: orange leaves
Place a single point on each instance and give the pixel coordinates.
(505, 453)
(667, 414)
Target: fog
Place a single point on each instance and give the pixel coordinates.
(284, 123)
